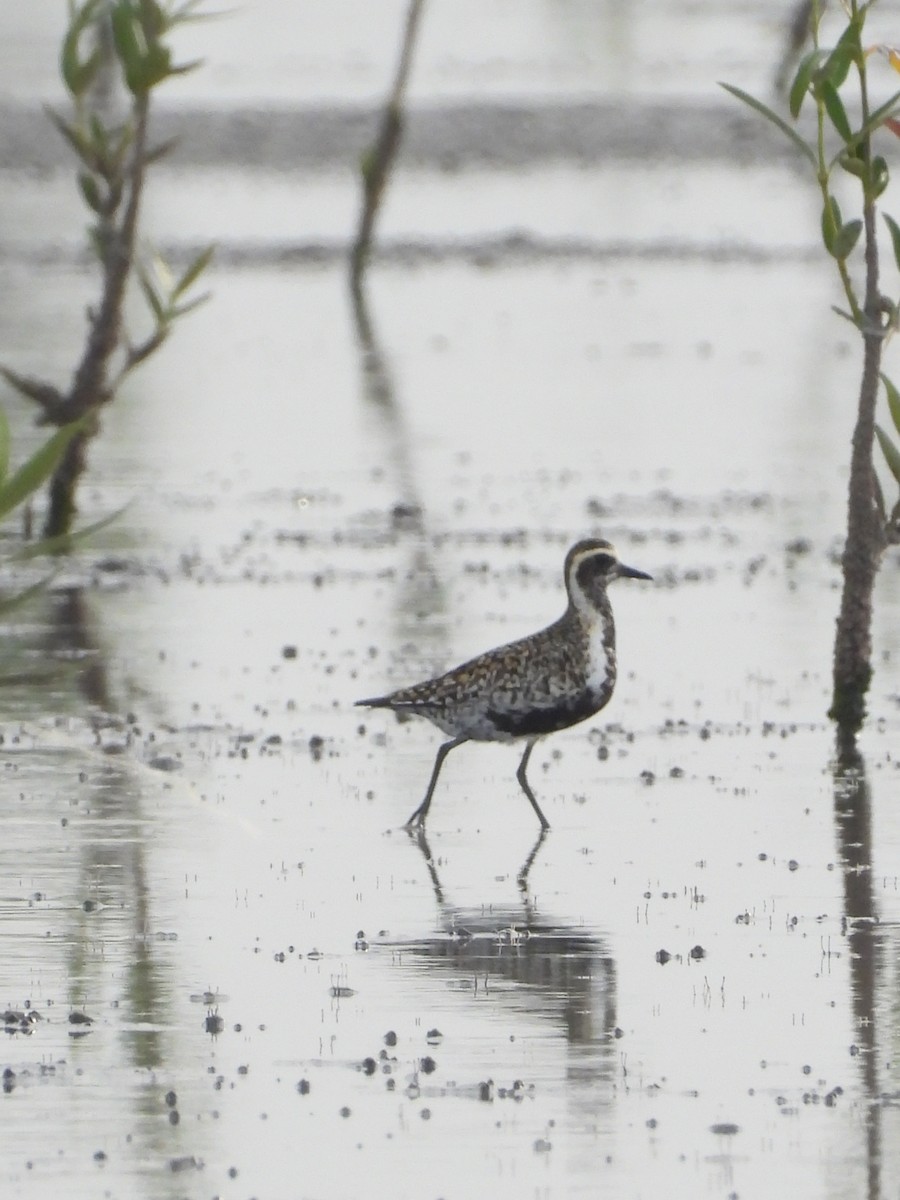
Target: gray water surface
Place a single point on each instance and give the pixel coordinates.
(688, 987)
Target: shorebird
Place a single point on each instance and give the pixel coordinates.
(531, 687)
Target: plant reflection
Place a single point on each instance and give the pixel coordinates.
(561, 974)
(99, 868)
(116, 908)
(420, 601)
(69, 636)
(853, 818)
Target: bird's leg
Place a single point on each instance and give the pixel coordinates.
(417, 835)
(418, 817)
(522, 877)
(520, 775)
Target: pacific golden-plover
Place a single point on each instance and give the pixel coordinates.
(531, 687)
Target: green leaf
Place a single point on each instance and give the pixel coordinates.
(877, 118)
(881, 176)
(78, 75)
(4, 444)
(99, 133)
(76, 139)
(130, 44)
(846, 238)
(154, 21)
(802, 80)
(890, 452)
(122, 146)
(841, 57)
(151, 295)
(186, 68)
(894, 229)
(9, 603)
(893, 399)
(100, 142)
(834, 106)
(831, 224)
(853, 164)
(91, 193)
(194, 271)
(98, 236)
(33, 473)
(800, 143)
(160, 150)
(42, 393)
(856, 322)
(181, 310)
(852, 35)
(180, 16)
(137, 354)
(65, 541)
(157, 65)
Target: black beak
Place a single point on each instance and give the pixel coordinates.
(632, 573)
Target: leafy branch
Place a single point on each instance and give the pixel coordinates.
(823, 78)
(113, 157)
(18, 486)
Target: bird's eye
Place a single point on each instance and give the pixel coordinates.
(602, 563)
(594, 567)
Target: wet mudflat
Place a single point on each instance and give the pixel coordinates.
(228, 969)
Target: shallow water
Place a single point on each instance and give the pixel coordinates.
(687, 988)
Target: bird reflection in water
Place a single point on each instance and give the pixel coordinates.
(559, 973)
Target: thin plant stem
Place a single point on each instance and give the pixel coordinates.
(90, 385)
(379, 159)
(865, 529)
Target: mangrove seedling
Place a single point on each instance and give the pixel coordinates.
(847, 138)
(131, 38)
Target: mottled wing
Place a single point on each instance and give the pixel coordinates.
(551, 694)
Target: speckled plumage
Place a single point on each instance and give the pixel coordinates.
(535, 685)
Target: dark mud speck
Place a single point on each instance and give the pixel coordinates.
(165, 762)
(187, 1162)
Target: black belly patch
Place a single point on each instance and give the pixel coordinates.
(532, 722)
